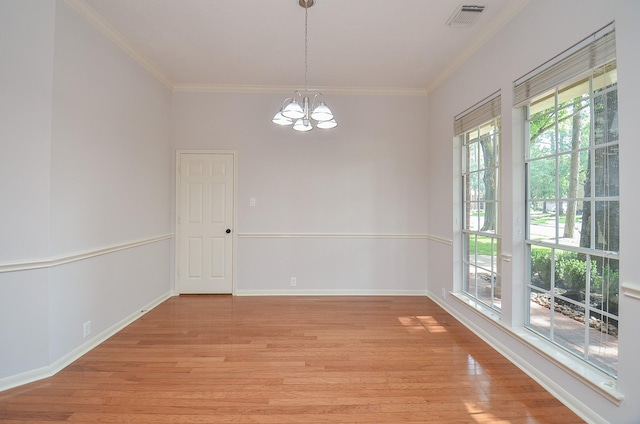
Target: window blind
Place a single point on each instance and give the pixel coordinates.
(594, 51)
(476, 115)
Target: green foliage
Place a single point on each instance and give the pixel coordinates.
(562, 258)
(607, 282)
(551, 132)
(574, 272)
(541, 266)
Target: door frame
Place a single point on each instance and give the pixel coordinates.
(178, 196)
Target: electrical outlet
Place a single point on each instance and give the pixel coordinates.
(293, 281)
(86, 329)
(444, 293)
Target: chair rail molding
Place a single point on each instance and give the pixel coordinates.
(60, 260)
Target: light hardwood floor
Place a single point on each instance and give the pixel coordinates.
(223, 359)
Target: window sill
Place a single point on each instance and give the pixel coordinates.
(594, 378)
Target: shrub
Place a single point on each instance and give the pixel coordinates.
(574, 272)
(562, 257)
(541, 266)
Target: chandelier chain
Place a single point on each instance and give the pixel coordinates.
(306, 9)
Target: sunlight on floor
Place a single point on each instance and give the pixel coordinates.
(479, 416)
(415, 324)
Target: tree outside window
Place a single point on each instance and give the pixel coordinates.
(481, 238)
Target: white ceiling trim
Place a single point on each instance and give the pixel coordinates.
(88, 13)
(505, 15)
(93, 17)
(271, 89)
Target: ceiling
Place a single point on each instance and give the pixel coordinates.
(399, 46)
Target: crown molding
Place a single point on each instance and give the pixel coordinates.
(89, 14)
(506, 14)
(93, 17)
(274, 89)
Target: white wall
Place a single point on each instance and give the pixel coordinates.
(87, 158)
(542, 30)
(364, 177)
(90, 170)
(26, 79)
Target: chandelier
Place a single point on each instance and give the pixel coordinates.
(299, 110)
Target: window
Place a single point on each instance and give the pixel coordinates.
(479, 131)
(573, 206)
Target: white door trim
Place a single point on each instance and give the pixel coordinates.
(234, 154)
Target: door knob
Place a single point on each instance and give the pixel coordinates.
(228, 230)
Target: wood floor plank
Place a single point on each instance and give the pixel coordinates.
(223, 359)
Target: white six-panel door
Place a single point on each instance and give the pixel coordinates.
(205, 223)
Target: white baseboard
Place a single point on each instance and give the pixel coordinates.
(294, 292)
(549, 384)
(52, 369)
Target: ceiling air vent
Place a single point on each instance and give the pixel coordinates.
(465, 15)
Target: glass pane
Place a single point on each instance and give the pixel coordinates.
(489, 182)
(612, 116)
(605, 291)
(481, 185)
(540, 266)
(472, 192)
(487, 153)
(607, 226)
(542, 130)
(607, 171)
(605, 109)
(465, 258)
(540, 312)
(473, 216)
(471, 281)
(570, 224)
(465, 246)
(585, 128)
(603, 342)
(570, 275)
(573, 123)
(485, 286)
(542, 179)
(566, 163)
(542, 222)
(569, 327)
(485, 250)
(483, 158)
(603, 335)
(473, 156)
(490, 223)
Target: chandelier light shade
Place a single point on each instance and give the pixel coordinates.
(293, 110)
(299, 110)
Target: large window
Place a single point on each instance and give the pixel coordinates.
(573, 215)
(480, 187)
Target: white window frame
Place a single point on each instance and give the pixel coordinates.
(579, 61)
(486, 112)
